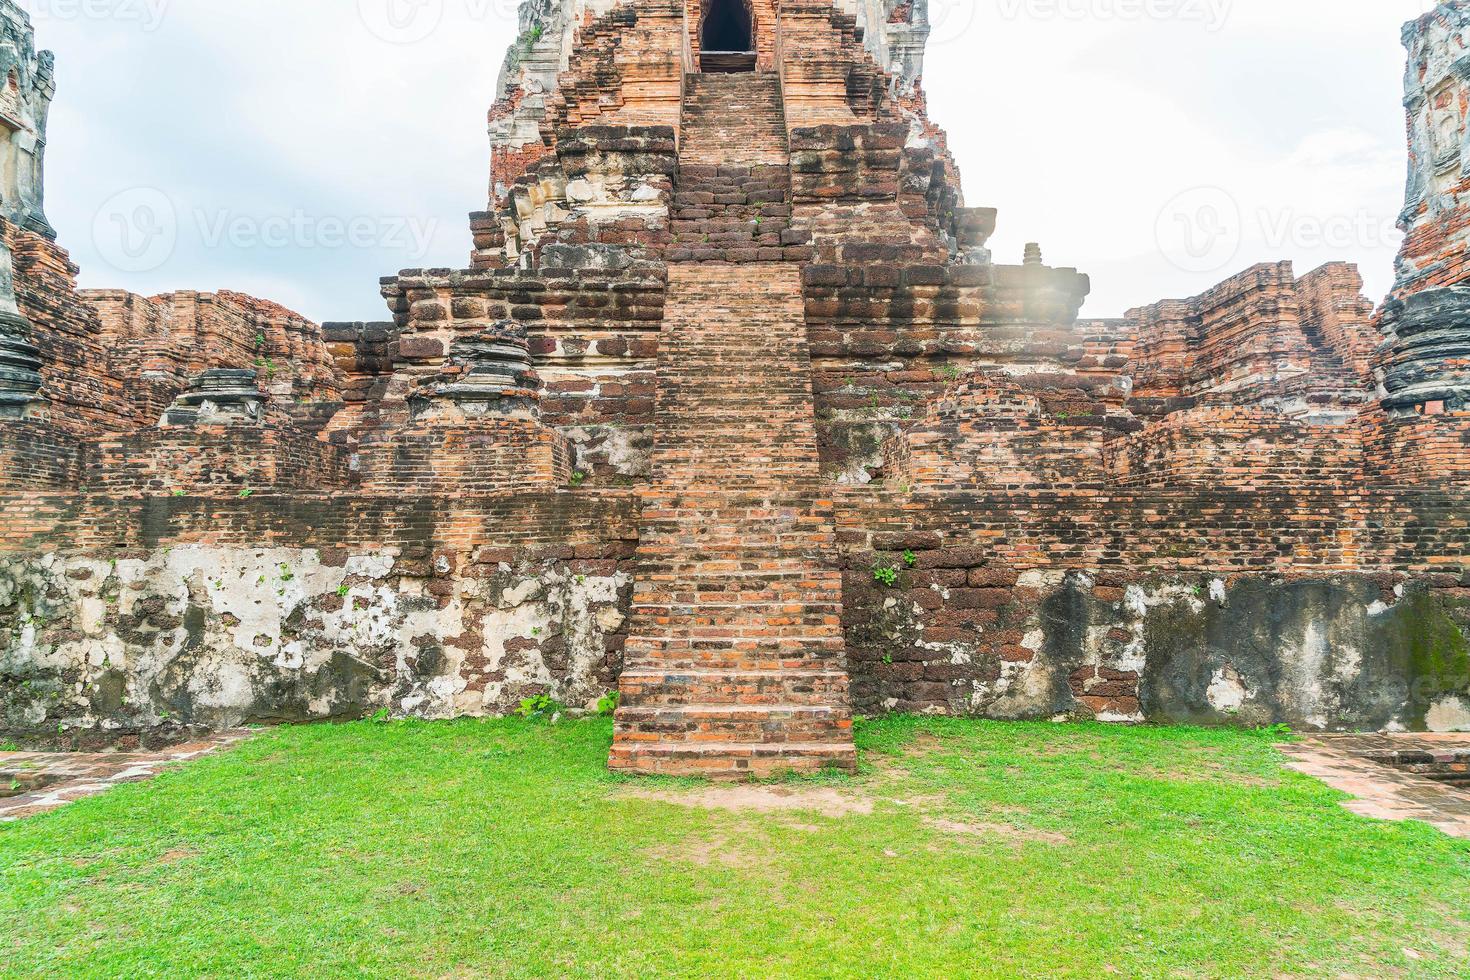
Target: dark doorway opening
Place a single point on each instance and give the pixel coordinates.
(727, 27)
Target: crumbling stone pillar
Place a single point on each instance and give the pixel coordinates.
(20, 370)
(474, 428)
(222, 396)
(20, 360)
(488, 375)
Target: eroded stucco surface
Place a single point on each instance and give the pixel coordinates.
(224, 636)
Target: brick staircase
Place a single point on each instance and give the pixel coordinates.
(732, 202)
(735, 658)
(733, 121)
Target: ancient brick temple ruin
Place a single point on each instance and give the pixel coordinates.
(734, 412)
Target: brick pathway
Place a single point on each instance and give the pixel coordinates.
(1349, 763)
(48, 780)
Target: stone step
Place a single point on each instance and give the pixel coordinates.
(740, 723)
(655, 686)
(733, 120)
(733, 760)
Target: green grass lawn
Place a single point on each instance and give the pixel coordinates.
(505, 849)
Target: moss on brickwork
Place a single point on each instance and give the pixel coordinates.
(1430, 629)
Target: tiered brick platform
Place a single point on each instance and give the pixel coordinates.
(734, 663)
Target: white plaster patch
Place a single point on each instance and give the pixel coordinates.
(1450, 713)
(1042, 579)
(1227, 692)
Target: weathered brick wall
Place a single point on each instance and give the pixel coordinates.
(85, 395)
(1335, 315)
(827, 76)
(36, 455)
(594, 340)
(608, 185)
(141, 613)
(1311, 607)
(1261, 334)
(481, 457)
(1238, 448)
(856, 189)
(364, 355)
(214, 460)
(1418, 450)
(627, 70)
(886, 337)
(989, 432)
(157, 344)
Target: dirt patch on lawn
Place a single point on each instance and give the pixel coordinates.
(994, 831)
(762, 799)
(713, 852)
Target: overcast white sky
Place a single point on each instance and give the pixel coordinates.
(286, 149)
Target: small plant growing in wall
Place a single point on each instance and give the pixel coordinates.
(885, 575)
(342, 591)
(910, 559)
(579, 478)
(540, 707)
(608, 703)
(246, 494)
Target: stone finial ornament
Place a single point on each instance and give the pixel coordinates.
(222, 396)
(487, 374)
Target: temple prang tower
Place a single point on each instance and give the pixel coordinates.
(734, 412)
